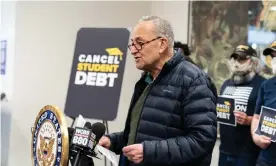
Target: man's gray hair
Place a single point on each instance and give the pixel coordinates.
(258, 66)
(163, 28)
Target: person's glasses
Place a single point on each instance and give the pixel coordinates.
(139, 46)
(240, 58)
(273, 54)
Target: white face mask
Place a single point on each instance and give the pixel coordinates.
(240, 69)
(273, 65)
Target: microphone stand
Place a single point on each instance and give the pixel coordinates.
(107, 132)
(76, 163)
(83, 159)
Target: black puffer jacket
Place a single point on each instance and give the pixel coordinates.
(178, 123)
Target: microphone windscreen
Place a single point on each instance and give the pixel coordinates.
(87, 125)
(70, 133)
(98, 129)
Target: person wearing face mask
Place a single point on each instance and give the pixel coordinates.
(266, 97)
(237, 147)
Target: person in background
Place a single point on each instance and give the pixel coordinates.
(237, 147)
(266, 97)
(172, 116)
(185, 50)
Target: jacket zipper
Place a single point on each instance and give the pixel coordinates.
(151, 85)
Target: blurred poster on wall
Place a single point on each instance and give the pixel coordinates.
(97, 73)
(262, 29)
(3, 45)
(217, 28)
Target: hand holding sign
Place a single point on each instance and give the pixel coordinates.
(225, 108)
(267, 127)
(241, 117)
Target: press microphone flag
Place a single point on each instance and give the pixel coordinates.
(88, 136)
(81, 137)
(85, 139)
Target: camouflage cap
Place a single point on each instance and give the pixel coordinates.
(244, 51)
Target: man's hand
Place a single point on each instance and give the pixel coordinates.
(241, 118)
(105, 142)
(262, 141)
(134, 153)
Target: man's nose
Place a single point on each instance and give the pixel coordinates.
(133, 50)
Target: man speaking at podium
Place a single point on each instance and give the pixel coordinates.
(172, 115)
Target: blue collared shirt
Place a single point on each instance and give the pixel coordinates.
(267, 97)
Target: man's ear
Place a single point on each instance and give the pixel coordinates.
(163, 45)
(255, 62)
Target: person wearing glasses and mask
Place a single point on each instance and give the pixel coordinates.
(172, 116)
(266, 97)
(237, 147)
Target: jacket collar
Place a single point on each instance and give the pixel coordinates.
(178, 56)
(170, 64)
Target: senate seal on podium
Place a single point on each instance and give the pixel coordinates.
(50, 144)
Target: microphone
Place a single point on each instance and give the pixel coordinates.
(98, 130)
(84, 141)
(70, 133)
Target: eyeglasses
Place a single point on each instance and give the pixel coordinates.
(139, 45)
(273, 54)
(240, 58)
